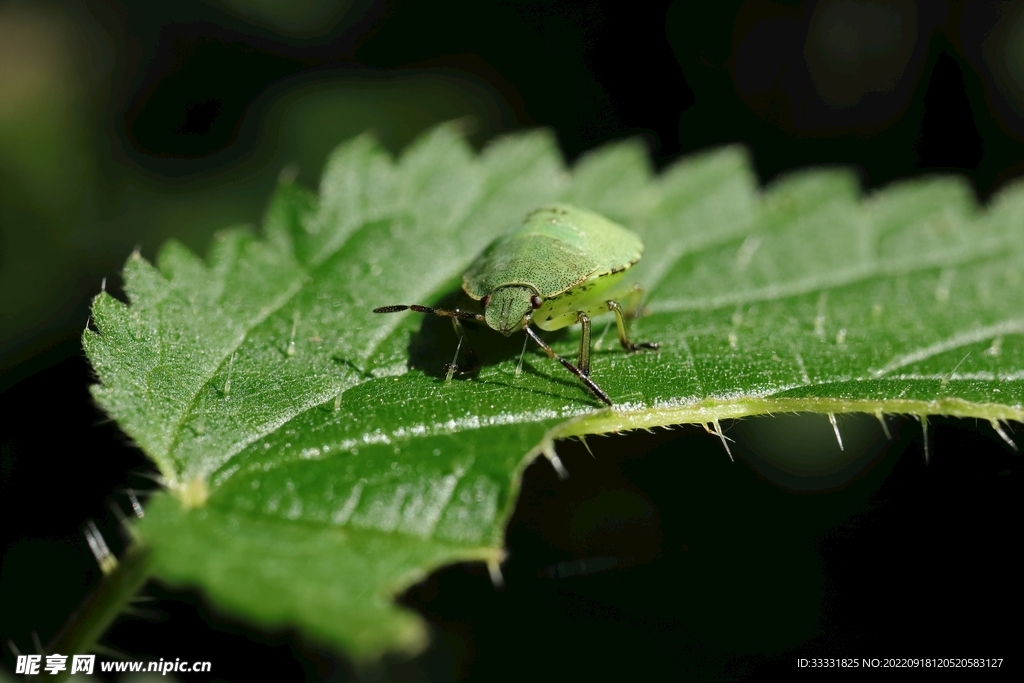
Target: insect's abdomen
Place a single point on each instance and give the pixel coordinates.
(591, 297)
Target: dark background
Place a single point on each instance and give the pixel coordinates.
(125, 123)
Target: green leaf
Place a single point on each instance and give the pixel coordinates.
(315, 459)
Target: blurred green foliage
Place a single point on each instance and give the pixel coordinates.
(73, 204)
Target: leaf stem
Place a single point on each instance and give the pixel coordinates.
(84, 627)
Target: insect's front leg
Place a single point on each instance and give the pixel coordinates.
(456, 315)
(454, 366)
(583, 360)
(620, 321)
(590, 384)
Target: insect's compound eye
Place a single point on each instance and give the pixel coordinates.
(536, 301)
(486, 300)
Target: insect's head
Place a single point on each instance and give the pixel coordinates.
(506, 308)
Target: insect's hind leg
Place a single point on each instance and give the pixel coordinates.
(632, 302)
(620, 321)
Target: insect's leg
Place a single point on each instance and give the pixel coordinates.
(583, 361)
(454, 367)
(519, 365)
(568, 366)
(620, 320)
(632, 302)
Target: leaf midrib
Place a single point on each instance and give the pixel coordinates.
(299, 284)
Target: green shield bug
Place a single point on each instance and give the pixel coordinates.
(562, 266)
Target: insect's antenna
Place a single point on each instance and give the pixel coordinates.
(457, 313)
(568, 366)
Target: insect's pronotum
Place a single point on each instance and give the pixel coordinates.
(561, 267)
